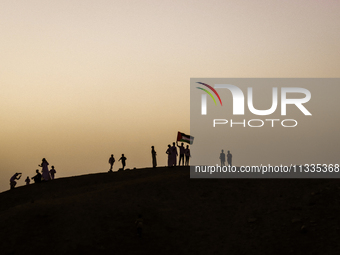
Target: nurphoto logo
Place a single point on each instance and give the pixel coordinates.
(239, 104)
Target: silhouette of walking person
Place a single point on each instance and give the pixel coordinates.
(222, 158)
(229, 158)
(174, 154)
(12, 181)
(168, 151)
(111, 162)
(187, 155)
(27, 180)
(45, 173)
(52, 172)
(37, 177)
(153, 153)
(123, 159)
(181, 154)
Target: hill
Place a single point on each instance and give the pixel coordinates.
(95, 214)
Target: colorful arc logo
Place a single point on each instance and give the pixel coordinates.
(209, 92)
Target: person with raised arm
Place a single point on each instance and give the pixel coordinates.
(12, 181)
(181, 153)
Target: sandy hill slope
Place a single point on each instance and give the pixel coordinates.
(95, 214)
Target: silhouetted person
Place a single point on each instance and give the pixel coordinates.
(222, 158)
(229, 158)
(37, 177)
(153, 153)
(111, 162)
(123, 159)
(181, 154)
(12, 181)
(174, 154)
(168, 151)
(45, 173)
(52, 172)
(187, 155)
(27, 180)
(139, 225)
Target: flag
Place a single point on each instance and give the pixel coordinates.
(181, 137)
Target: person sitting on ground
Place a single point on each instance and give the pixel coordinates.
(12, 181)
(37, 177)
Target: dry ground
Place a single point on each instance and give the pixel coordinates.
(95, 214)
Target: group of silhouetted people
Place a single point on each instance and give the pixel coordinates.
(45, 175)
(112, 161)
(172, 154)
(184, 156)
(229, 158)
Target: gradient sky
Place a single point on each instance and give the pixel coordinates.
(83, 79)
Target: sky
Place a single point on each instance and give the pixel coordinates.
(81, 80)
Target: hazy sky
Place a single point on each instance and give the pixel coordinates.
(83, 79)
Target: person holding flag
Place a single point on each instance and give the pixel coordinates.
(181, 153)
(181, 137)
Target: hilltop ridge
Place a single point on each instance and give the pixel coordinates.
(95, 214)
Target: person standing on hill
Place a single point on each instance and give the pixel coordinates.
(111, 162)
(45, 173)
(181, 154)
(123, 159)
(52, 172)
(153, 153)
(12, 181)
(187, 155)
(229, 158)
(174, 154)
(168, 151)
